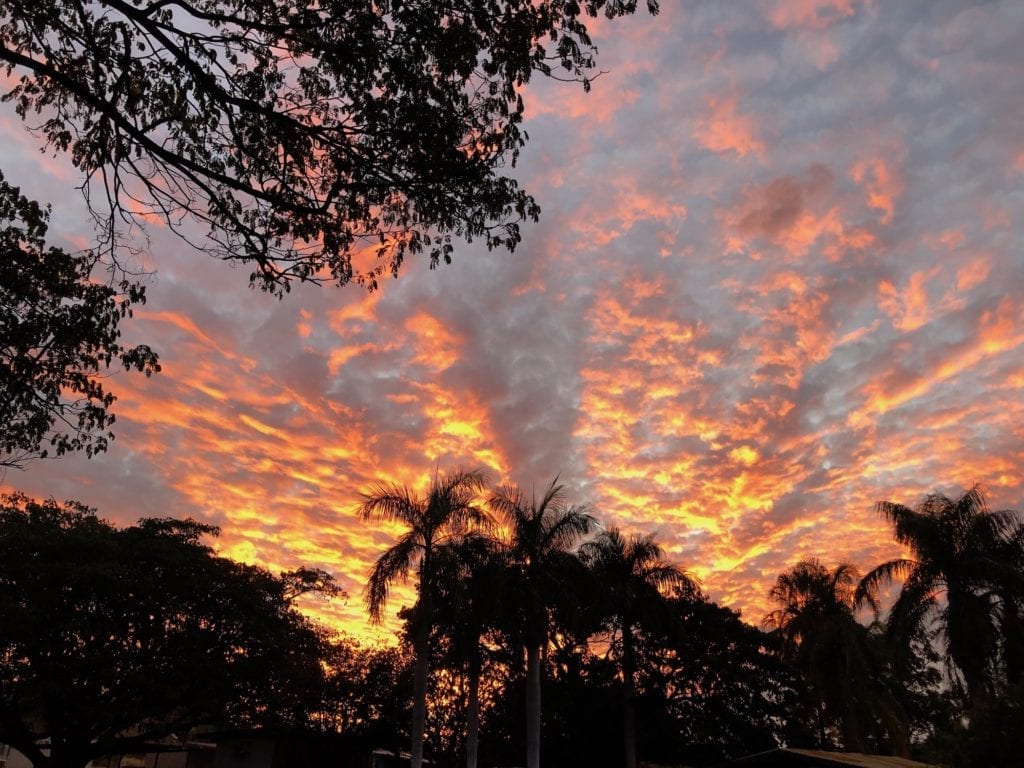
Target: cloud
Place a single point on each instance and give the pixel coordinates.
(815, 14)
(776, 280)
(777, 209)
(722, 129)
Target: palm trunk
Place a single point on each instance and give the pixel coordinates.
(473, 709)
(533, 706)
(628, 694)
(822, 739)
(964, 646)
(1013, 637)
(899, 739)
(853, 741)
(421, 648)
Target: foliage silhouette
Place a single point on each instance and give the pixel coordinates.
(58, 332)
(630, 576)
(542, 535)
(112, 637)
(713, 688)
(820, 634)
(305, 138)
(446, 514)
(964, 578)
(368, 692)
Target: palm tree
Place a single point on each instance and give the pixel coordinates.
(1011, 596)
(964, 577)
(630, 575)
(469, 576)
(541, 536)
(822, 638)
(445, 515)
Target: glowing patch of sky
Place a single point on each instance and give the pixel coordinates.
(778, 278)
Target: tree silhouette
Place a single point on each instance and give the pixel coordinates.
(541, 536)
(369, 692)
(964, 577)
(630, 577)
(470, 574)
(713, 688)
(821, 636)
(444, 515)
(300, 135)
(112, 638)
(58, 334)
(1010, 593)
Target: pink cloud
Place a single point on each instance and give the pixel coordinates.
(909, 307)
(814, 14)
(722, 129)
(883, 184)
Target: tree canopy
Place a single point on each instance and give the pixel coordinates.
(59, 331)
(316, 141)
(817, 625)
(964, 577)
(442, 517)
(630, 575)
(111, 637)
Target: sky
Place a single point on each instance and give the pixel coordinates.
(778, 277)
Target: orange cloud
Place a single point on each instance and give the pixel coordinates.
(883, 185)
(973, 274)
(814, 14)
(437, 347)
(999, 331)
(722, 129)
(909, 308)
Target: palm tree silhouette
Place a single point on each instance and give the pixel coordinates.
(1011, 596)
(542, 534)
(823, 639)
(631, 575)
(469, 576)
(964, 576)
(445, 515)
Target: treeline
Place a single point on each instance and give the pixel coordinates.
(515, 589)
(519, 594)
(111, 638)
(940, 673)
(536, 632)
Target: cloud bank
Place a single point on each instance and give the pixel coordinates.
(778, 277)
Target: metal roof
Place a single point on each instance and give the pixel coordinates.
(810, 758)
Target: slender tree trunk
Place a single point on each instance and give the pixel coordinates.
(822, 743)
(421, 647)
(899, 740)
(853, 740)
(628, 695)
(473, 710)
(533, 706)
(1013, 637)
(966, 644)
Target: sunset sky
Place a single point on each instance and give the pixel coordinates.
(778, 277)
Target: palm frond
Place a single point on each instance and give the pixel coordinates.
(914, 604)
(879, 576)
(389, 503)
(564, 527)
(508, 504)
(394, 565)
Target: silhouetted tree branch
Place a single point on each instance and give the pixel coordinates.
(317, 141)
(59, 332)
